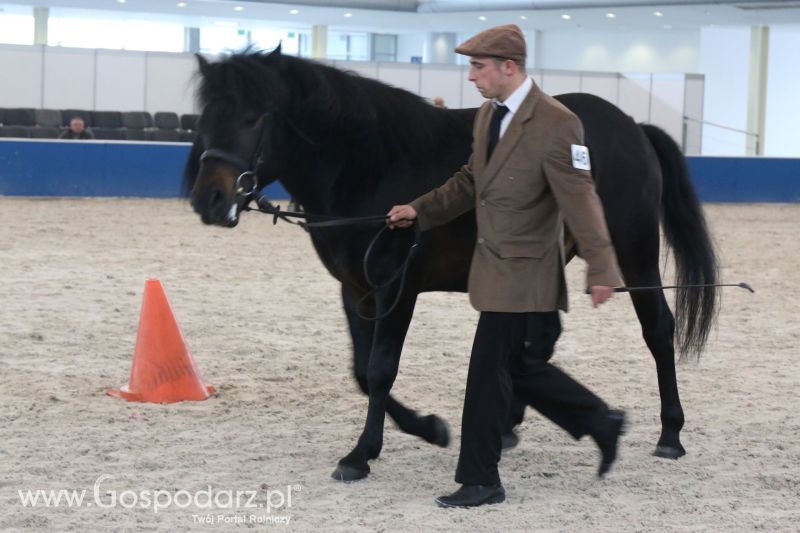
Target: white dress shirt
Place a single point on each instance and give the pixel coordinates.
(513, 102)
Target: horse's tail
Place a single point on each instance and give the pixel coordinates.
(686, 232)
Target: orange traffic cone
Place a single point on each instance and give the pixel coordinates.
(163, 370)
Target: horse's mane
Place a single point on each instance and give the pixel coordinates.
(335, 106)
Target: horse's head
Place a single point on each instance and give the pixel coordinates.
(233, 156)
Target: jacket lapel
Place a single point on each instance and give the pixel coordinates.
(511, 137)
(481, 140)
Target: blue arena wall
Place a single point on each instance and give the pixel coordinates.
(97, 168)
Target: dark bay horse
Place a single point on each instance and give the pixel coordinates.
(348, 146)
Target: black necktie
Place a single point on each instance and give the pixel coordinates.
(494, 128)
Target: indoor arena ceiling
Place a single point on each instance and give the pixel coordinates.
(462, 16)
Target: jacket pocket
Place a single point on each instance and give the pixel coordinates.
(521, 249)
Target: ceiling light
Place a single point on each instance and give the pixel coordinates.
(658, 13)
(482, 18)
(294, 12)
(610, 16)
(121, 1)
(565, 16)
(523, 17)
(348, 15)
(238, 8)
(181, 4)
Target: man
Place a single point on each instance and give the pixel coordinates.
(77, 130)
(528, 173)
(438, 101)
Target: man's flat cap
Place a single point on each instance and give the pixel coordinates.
(506, 42)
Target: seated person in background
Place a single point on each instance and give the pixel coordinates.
(77, 130)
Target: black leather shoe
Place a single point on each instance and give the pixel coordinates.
(509, 440)
(609, 427)
(473, 496)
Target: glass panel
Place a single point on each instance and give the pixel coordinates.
(222, 38)
(115, 34)
(348, 46)
(16, 29)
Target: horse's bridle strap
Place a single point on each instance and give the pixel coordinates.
(228, 157)
(326, 221)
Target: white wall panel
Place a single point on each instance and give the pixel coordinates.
(536, 75)
(783, 93)
(470, 97)
(634, 96)
(693, 111)
(68, 78)
(619, 51)
(170, 83)
(120, 82)
(442, 81)
(404, 76)
(666, 106)
(21, 78)
(604, 85)
(725, 54)
(560, 82)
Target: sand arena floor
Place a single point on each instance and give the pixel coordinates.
(264, 322)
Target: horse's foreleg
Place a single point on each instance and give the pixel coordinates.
(430, 428)
(384, 359)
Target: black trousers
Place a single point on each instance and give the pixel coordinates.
(512, 350)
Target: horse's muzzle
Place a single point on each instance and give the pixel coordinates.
(215, 208)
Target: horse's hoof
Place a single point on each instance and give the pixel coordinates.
(349, 473)
(440, 434)
(509, 440)
(669, 452)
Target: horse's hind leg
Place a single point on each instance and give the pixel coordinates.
(658, 330)
(391, 335)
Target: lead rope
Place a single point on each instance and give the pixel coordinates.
(266, 207)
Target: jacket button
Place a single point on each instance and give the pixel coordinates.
(480, 240)
(511, 177)
(483, 202)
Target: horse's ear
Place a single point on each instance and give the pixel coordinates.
(275, 54)
(203, 65)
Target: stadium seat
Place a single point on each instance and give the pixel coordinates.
(165, 136)
(138, 120)
(111, 134)
(21, 116)
(133, 134)
(107, 119)
(14, 131)
(44, 132)
(48, 118)
(166, 120)
(187, 136)
(189, 122)
(69, 114)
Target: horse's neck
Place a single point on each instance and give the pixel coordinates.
(327, 191)
(342, 175)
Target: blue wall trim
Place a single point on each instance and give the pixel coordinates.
(746, 179)
(96, 168)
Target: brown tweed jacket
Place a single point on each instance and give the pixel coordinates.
(522, 197)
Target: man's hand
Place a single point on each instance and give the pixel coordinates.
(601, 293)
(401, 216)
